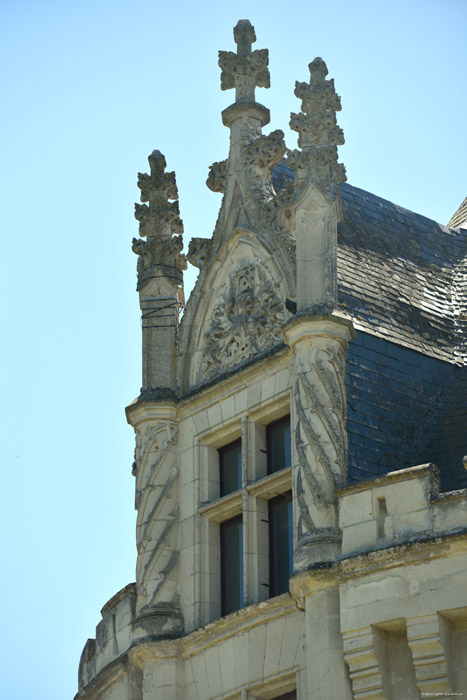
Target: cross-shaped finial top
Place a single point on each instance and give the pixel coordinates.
(244, 36)
(246, 69)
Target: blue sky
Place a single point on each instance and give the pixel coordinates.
(89, 90)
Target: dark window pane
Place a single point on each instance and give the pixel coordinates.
(280, 544)
(231, 565)
(278, 445)
(230, 467)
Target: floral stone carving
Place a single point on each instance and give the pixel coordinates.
(246, 321)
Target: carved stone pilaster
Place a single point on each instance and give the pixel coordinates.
(157, 525)
(319, 442)
(425, 637)
(365, 672)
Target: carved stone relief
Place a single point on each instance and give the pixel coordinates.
(157, 520)
(320, 439)
(199, 251)
(217, 177)
(259, 158)
(245, 322)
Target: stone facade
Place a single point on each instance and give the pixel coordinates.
(376, 601)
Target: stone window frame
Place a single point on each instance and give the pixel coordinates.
(250, 501)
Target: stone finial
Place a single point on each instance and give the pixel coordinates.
(319, 134)
(246, 69)
(159, 220)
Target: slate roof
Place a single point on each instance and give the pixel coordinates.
(402, 275)
(460, 217)
(403, 280)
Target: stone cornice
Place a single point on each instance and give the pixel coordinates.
(234, 380)
(306, 324)
(215, 632)
(104, 679)
(138, 412)
(409, 553)
(252, 110)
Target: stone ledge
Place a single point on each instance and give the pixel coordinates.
(390, 477)
(272, 485)
(122, 593)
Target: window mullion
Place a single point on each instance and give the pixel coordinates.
(247, 444)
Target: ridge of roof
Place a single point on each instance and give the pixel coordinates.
(459, 218)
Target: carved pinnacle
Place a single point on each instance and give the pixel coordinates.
(159, 221)
(158, 186)
(246, 69)
(319, 134)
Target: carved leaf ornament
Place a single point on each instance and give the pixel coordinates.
(246, 322)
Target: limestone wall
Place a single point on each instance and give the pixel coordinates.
(387, 620)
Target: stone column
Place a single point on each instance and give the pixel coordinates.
(154, 415)
(319, 437)
(157, 524)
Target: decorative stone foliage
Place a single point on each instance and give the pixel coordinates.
(260, 159)
(199, 251)
(245, 322)
(217, 176)
(319, 134)
(158, 222)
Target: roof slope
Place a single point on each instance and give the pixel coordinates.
(460, 216)
(399, 275)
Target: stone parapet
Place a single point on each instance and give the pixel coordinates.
(398, 507)
(113, 635)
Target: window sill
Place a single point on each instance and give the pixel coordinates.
(224, 508)
(272, 485)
